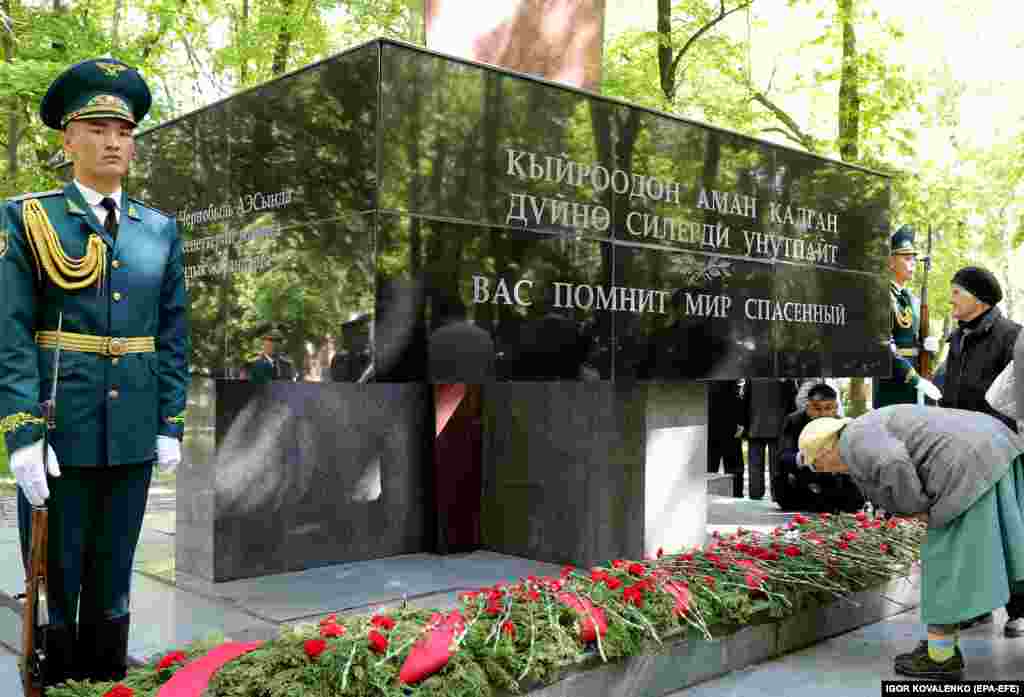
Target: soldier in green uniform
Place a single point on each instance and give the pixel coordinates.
(112, 267)
(269, 365)
(906, 386)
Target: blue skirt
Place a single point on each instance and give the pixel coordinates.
(970, 566)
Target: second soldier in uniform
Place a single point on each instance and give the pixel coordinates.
(906, 384)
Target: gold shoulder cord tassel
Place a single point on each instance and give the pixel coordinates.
(64, 271)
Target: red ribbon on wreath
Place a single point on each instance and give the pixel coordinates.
(192, 680)
(592, 618)
(432, 652)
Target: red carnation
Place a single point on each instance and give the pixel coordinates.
(383, 621)
(378, 642)
(508, 629)
(800, 520)
(332, 630)
(170, 659)
(598, 575)
(618, 563)
(861, 515)
(330, 619)
(567, 569)
(844, 545)
(792, 551)
(533, 595)
(754, 580)
(710, 582)
(612, 583)
(638, 570)
(468, 595)
(660, 552)
(314, 647)
(883, 548)
(633, 596)
(891, 523)
(850, 535)
(119, 690)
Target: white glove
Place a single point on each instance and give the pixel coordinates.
(739, 431)
(168, 453)
(800, 460)
(27, 466)
(928, 389)
(931, 344)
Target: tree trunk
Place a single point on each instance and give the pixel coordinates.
(668, 79)
(284, 40)
(849, 140)
(849, 87)
(243, 68)
(116, 25)
(13, 122)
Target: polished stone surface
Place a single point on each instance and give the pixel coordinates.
(586, 472)
(512, 287)
(306, 475)
(378, 186)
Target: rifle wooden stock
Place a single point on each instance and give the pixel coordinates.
(32, 668)
(924, 364)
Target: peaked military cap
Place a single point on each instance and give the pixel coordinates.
(102, 88)
(902, 241)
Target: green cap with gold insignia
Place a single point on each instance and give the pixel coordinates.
(102, 88)
(902, 241)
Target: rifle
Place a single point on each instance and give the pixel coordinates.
(36, 616)
(925, 359)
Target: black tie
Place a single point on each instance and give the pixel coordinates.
(110, 224)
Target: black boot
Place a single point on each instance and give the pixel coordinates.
(919, 664)
(58, 645)
(103, 649)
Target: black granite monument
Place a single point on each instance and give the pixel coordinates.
(399, 217)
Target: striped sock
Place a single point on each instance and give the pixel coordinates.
(941, 650)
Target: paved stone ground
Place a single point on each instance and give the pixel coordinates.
(160, 499)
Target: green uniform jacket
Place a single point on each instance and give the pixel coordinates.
(902, 387)
(109, 410)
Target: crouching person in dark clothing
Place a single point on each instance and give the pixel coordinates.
(963, 472)
(800, 488)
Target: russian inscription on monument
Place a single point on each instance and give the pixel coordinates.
(586, 238)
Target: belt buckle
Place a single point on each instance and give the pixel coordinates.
(116, 347)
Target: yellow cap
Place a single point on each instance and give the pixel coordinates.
(820, 435)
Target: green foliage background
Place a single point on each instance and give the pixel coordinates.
(774, 69)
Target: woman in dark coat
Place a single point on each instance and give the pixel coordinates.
(963, 472)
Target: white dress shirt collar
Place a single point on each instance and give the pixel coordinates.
(93, 198)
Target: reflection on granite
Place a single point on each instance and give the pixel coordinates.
(859, 347)
(499, 291)
(577, 472)
(308, 475)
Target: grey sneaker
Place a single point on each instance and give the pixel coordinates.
(1014, 627)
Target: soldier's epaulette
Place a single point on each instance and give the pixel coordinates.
(149, 207)
(38, 194)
